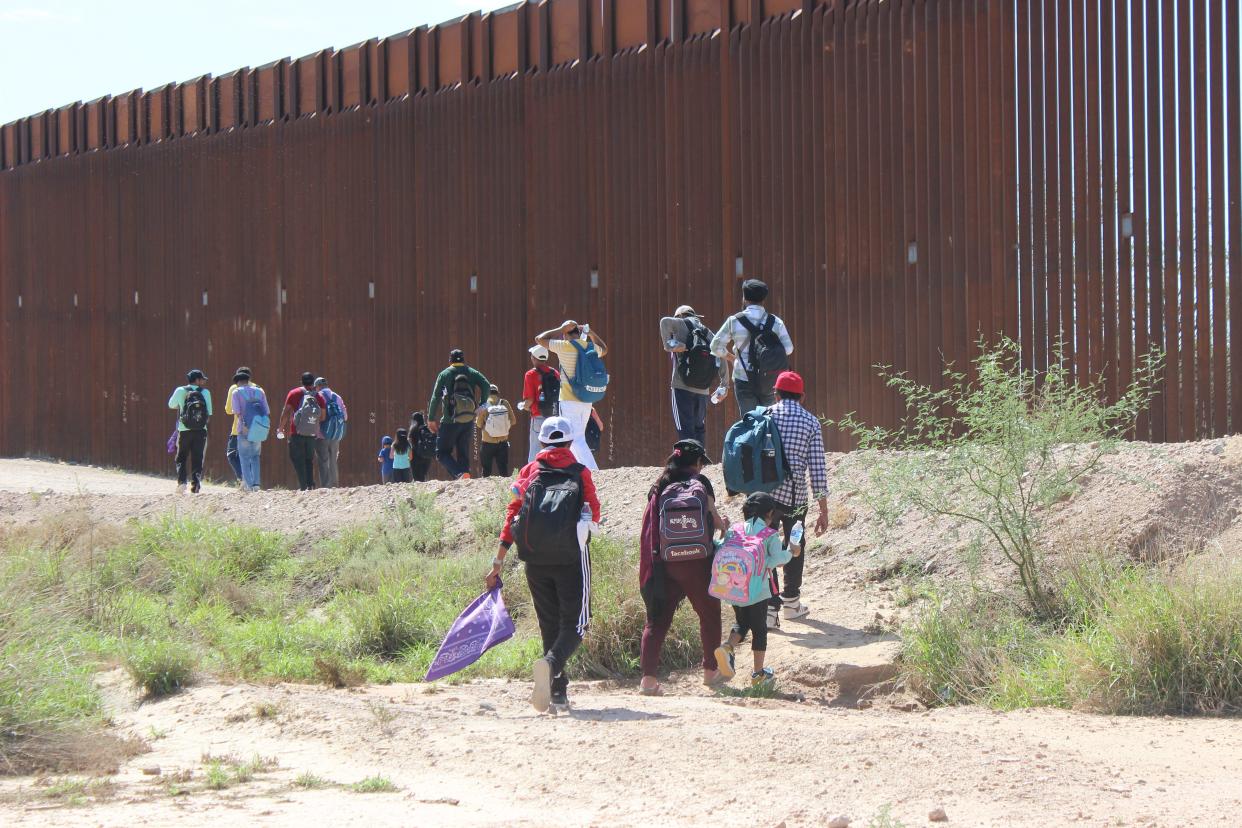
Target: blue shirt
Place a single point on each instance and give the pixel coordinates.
(774, 555)
(386, 466)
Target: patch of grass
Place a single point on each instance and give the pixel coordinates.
(216, 776)
(309, 781)
(1138, 641)
(383, 714)
(159, 668)
(266, 710)
(220, 772)
(884, 819)
(763, 690)
(374, 784)
(486, 521)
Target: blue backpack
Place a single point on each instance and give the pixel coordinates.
(754, 460)
(334, 421)
(590, 380)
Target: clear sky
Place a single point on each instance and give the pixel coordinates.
(54, 52)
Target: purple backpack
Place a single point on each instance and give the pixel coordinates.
(685, 522)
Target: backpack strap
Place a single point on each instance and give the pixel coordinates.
(769, 323)
(744, 321)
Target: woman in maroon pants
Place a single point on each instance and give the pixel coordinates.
(673, 563)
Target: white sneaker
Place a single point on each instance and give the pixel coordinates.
(183, 488)
(774, 618)
(794, 610)
(541, 696)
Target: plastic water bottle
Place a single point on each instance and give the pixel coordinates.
(718, 395)
(795, 535)
(280, 435)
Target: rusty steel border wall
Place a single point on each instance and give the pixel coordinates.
(908, 175)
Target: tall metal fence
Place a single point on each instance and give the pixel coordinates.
(908, 175)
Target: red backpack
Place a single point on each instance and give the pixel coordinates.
(685, 522)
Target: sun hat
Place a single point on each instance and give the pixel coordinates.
(790, 382)
(556, 430)
(539, 352)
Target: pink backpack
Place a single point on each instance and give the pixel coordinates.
(685, 522)
(739, 570)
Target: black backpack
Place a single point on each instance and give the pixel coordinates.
(549, 392)
(194, 409)
(425, 444)
(766, 355)
(546, 527)
(697, 365)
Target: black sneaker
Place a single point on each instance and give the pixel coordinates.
(560, 701)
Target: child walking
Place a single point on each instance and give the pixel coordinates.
(742, 576)
(385, 460)
(401, 452)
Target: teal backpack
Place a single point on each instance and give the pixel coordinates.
(754, 460)
(590, 380)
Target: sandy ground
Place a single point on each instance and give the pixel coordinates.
(477, 754)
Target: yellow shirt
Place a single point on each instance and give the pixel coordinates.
(568, 355)
(228, 407)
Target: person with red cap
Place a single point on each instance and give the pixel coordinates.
(802, 440)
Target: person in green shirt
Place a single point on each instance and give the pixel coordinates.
(455, 400)
(192, 403)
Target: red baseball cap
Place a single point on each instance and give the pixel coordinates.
(790, 382)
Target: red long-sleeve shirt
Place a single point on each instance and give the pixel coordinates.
(557, 458)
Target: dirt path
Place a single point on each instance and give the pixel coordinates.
(44, 477)
(478, 755)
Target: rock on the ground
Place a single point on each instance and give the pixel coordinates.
(937, 815)
(839, 821)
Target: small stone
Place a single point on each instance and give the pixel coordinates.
(153, 770)
(839, 821)
(937, 815)
(864, 704)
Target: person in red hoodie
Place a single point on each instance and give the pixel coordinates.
(550, 518)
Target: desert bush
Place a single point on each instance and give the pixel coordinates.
(994, 450)
(159, 668)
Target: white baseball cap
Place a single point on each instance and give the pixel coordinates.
(539, 352)
(556, 430)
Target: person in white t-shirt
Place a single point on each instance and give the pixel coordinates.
(753, 387)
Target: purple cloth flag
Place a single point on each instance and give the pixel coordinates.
(172, 442)
(483, 625)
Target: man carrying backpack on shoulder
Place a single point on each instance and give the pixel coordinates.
(695, 370)
(332, 429)
(494, 421)
(581, 352)
(802, 442)
(455, 401)
(550, 519)
(304, 410)
(541, 395)
(760, 348)
(193, 404)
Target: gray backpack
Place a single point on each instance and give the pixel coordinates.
(306, 418)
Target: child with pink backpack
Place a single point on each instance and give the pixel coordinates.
(742, 576)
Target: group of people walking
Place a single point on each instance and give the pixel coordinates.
(690, 551)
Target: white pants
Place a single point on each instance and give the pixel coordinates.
(535, 424)
(579, 414)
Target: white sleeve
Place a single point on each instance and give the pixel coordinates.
(720, 342)
(783, 333)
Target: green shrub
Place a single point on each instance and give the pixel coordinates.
(159, 668)
(996, 448)
(374, 784)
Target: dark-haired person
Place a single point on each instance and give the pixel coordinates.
(558, 573)
(664, 584)
(679, 333)
(455, 399)
(565, 342)
(733, 342)
(230, 451)
(192, 402)
(328, 449)
(249, 402)
(802, 440)
(303, 412)
(421, 464)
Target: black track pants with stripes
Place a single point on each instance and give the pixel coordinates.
(562, 598)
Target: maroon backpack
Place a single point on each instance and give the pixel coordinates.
(685, 522)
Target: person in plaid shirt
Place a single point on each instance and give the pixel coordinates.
(803, 443)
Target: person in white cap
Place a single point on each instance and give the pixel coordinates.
(695, 371)
(570, 342)
(541, 395)
(553, 510)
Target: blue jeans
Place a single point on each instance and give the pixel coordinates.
(248, 453)
(690, 415)
(230, 454)
(455, 438)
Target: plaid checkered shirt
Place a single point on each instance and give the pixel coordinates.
(802, 440)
